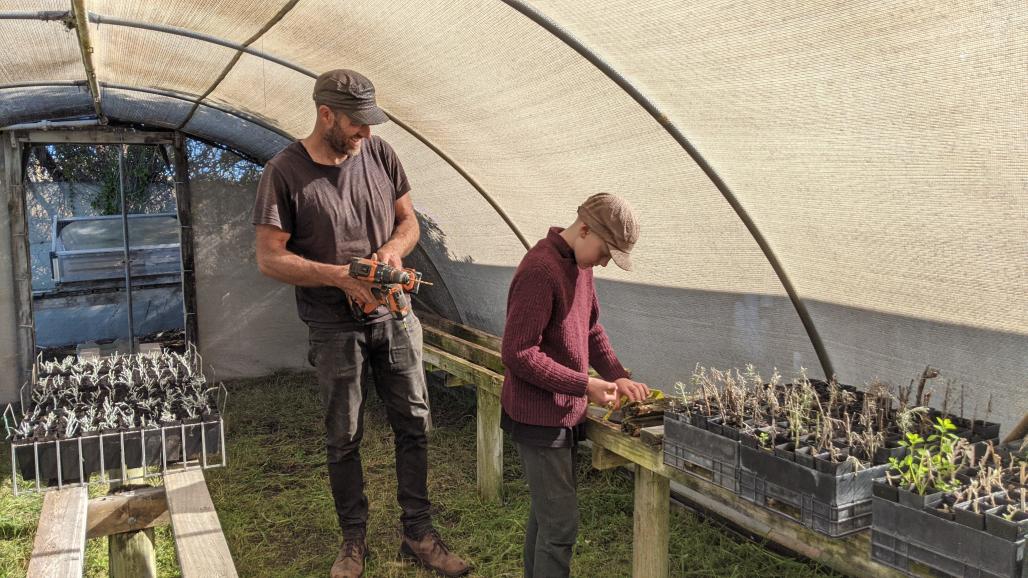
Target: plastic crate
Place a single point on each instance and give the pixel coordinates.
(919, 543)
(831, 504)
(700, 453)
(833, 489)
(700, 466)
(830, 519)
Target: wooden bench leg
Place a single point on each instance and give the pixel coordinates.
(131, 555)
(651, 540)
(490, 447)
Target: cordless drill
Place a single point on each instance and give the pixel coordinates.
(388, 285)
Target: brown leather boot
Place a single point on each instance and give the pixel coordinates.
(350, 562)
(431, 552)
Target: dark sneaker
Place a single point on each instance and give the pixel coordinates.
(431, 552)
(350, 562)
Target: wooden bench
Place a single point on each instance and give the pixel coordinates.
(60, 545)
(471, 357)
(69, 518)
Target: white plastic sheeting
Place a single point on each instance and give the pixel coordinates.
(881, 150)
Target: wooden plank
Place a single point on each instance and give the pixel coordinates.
(463, 370)
(652, 436)
(199, 541)
(489, 465)
(477, 354)
(59, 548)
(464, 332)
(604, 459)
(651, 534)
(20, 256)
(126, 512)
(626, 446)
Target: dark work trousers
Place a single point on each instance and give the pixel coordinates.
(389, 354)
(553, 516)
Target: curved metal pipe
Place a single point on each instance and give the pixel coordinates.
(169, 94)
(235, 58)
(42, 84)
(99, 19)
(45, 15)
(192, 98)
(51, 124)
(596, 60)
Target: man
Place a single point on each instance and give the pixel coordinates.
(337, 194)
(551, 338)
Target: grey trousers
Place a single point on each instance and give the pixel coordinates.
(347, 361)
(553, 517)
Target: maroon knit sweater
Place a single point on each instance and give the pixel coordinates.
(552, 336)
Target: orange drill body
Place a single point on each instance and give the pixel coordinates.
(390, 285)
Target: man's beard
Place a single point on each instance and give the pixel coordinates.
(341, 145)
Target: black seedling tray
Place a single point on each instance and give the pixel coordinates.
(916, 542)
(699, 452)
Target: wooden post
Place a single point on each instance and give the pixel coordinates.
(651, 536)
(490, 447)
(21, 268)
(184, 206)
(131, 554)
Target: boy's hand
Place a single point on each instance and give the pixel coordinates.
(634, 390)
(601, 392)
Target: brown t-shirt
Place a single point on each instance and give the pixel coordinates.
(332, 213)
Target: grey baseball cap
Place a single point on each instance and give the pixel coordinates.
(350, 92)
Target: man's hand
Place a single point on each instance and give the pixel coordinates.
(388, 256)
(634, 390)
(601, 392)
(359, 291)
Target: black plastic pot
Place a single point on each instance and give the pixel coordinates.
(964, 514)
(838, 466)
(984, 430)
(748, 439)
(883, 489)
(729, 431)
(1013, 529)
(943, 508)
(207, 429)
(714, 425)
(883, 454)
(699, 420)
(919, 501)
(804, 456)
(785, 451)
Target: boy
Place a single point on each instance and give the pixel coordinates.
(551, 338)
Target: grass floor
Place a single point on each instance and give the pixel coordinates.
(277, 514)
